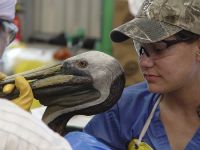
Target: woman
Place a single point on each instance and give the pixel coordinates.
(162, 112)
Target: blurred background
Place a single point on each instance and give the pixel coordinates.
(54, 30)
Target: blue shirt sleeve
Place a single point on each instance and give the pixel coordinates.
(84, 141)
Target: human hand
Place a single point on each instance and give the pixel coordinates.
(26, 97)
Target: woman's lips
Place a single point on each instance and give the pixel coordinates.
(151, 78)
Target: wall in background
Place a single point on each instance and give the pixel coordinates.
(125, 51)
(55, 16)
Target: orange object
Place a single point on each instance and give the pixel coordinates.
(62, 54)
(18, 24)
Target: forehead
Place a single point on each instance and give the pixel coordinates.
(5, 18)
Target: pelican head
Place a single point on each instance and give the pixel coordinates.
(88, 83)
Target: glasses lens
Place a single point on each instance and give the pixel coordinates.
(7, 34)
(3, 42)
(10, 30)
(153, 50)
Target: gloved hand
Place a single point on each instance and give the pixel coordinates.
(2, 76)
(26, 97)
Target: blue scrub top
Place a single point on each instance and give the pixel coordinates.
(115, 128)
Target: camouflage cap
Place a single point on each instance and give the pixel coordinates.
(160, 19)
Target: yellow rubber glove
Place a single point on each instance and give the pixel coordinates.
(141, 146)
(2, 76)
(26, 97)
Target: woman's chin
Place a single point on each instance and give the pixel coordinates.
(156, 88)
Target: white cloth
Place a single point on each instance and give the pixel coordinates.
(7, 9)
(19, 130)
(134, 6)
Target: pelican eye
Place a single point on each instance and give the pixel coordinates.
(83, 64)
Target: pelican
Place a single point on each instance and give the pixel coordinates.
(86, 84)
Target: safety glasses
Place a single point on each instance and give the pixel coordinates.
(8, 32)
(159, 49)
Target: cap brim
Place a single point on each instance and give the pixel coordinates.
(143, 30)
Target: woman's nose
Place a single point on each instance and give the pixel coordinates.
(145, 62)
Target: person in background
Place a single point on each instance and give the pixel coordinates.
(163, 112)
(7, 34)
(18, 129)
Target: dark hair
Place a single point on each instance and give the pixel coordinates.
(184, 34)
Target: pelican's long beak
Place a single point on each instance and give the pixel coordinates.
(56, 84)
(87, 83)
